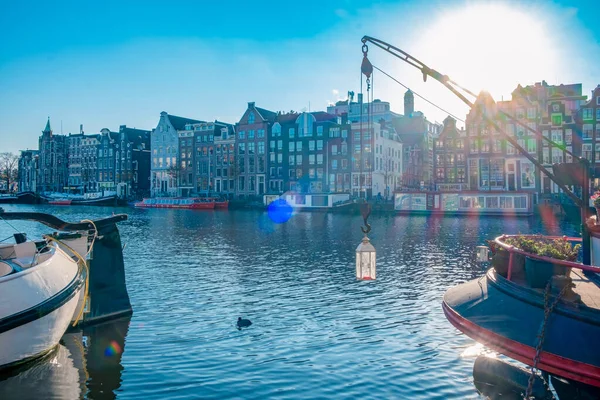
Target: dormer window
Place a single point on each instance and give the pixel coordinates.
(188, 127)
(251, 117)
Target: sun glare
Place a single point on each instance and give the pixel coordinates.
(492, 47)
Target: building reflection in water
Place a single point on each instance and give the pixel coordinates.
(86, 364)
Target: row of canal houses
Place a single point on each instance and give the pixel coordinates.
(359, 148)
(270, 152)
(478, 159)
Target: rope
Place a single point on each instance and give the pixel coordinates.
(9, 224)
(81, 259)
(418, 95)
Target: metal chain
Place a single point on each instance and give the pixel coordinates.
(542, 336)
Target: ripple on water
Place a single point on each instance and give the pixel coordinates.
(316, 331)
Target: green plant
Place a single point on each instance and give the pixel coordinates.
(596, 198)
(560, 249)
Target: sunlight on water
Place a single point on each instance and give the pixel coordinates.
(316, 332)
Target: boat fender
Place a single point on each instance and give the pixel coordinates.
(493, 377)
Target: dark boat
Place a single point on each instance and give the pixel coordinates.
(8, 198)
(99, 201)
(27, 198)
(503, 311)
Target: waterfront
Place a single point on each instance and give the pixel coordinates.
(316, 331)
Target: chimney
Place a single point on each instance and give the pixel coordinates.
(250, 104)
(81, 128)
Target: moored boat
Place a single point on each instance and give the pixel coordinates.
(95, 201)
(60, 202)
(193, 203)
(39, 291)
(74, 278)
(7, 198)
(512, 312)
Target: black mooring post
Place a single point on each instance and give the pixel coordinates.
(585, 205)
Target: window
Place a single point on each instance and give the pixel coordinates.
(546, 155)
(241, 134)
(311, 145)
(586, 151)
(344, 148)
(272, 157)
(588, 131)
(588, 113)
(279, 144)
(531, 145)
(334, 164)
(250, 148)
(319, 158)
(251, 117)
(319, 145)
(568, 136)
(251, 134)
(357, 149)
(597, 152)
(531, 112)
(569, 158)
(357, 136)
(344, 163)
(344, 133)
(311, 159)
(291, 132)
(242, 148)
(334, 149)
(276, 130)
(510, 129)
(520, 201)
(320, 130)
(241, 183)
(298, 146)
(291, 160)
(556, 135)
(260, 133)
(271, 145)
(261, 147)
(527, 175)
(556, 119)
(299, 159)
(557, 156)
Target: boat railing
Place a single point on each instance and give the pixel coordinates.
(512, 250)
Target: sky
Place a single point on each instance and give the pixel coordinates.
(111, 63)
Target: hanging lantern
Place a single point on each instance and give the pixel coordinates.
(365, 260)
(483, 254)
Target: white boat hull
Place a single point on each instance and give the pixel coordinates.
(36, 307)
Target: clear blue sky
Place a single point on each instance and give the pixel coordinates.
(108, 63)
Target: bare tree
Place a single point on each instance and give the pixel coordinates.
(9, 164)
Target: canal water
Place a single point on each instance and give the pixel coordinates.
(317, 332)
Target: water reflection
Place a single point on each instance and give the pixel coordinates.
(86, 364)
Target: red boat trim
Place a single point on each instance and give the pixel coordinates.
(551, 363)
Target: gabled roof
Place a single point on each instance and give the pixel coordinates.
(179, 123)
(266, 114)
(323, 116)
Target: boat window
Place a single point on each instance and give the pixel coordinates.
(491, 202)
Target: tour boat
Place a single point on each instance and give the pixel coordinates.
(7, 198)
(506, 310)
(194, 203)
(219, 203)
(74, 278)
(60, 202)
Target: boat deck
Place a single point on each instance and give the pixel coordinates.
(587, 291)
(586, 288)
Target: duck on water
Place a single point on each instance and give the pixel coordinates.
(243, 323)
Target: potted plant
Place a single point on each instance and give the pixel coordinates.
(539, 272)
(501, 258)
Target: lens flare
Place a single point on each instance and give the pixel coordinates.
(280, 211)
(112, 349)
